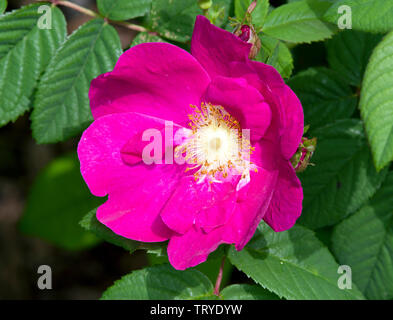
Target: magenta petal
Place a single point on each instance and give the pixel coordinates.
(164, 131)
(286, 204)
(246, 71)
(136, 193)
(288, 115)
(217, 205)
(133, 208)
(99, 149)
(216, 48)
(181, 209)
(294, 122)
(268, 74)
(158, 79)
(243, 102)
(192, 248)
(253, 202)
(207, 206)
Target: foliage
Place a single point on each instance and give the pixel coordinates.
(49, 212)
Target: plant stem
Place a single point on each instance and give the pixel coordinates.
(76, 7)
(91, 13)
(219, 278)
(130, 26)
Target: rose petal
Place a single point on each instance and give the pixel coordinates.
(267, 74)
(181, 209)
(243, 102)
(286, 204)
(133, 207)
(192, 248)
(218, 203)
(265, 154)
(252, 204)
(207, 206)
(136, 193)
(158, 79)
(99, 149)
(294, 122)
(216, 48)
(287, 112)
(288, 117)
(160, 140)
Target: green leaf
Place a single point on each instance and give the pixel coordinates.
(325, 235)
(246, 292)
(343, 177)
(123, 9)
(259, 14)
(209, 268)
(241, 7)
(61, 106)
(57, 201)
(3, 6)
(174, 19)
(293, 264)
(364, 241)
(90, 223)
(24, 54)
(376, 102)
(282, 60)
(324, 95)
(299, 22)
(218, 13)
(144, 37)
(348, 53)
(367, 15)
(161, 282)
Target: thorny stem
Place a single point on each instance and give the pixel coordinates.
(219, 278)
(91, 13)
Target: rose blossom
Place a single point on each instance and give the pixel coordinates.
(211, 95)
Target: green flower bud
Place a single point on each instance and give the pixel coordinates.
(205, 4)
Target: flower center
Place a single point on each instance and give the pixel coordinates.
(215, 144)
(217, 147)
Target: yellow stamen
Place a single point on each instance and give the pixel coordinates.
(216, 146)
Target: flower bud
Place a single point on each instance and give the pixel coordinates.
(245, 33)
(301, 159)
(248, 34)
(205, 4)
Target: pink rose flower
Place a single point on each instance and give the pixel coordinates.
(217, 196)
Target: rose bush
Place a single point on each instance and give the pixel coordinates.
(210, 95)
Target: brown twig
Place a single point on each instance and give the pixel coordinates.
(91, 13)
